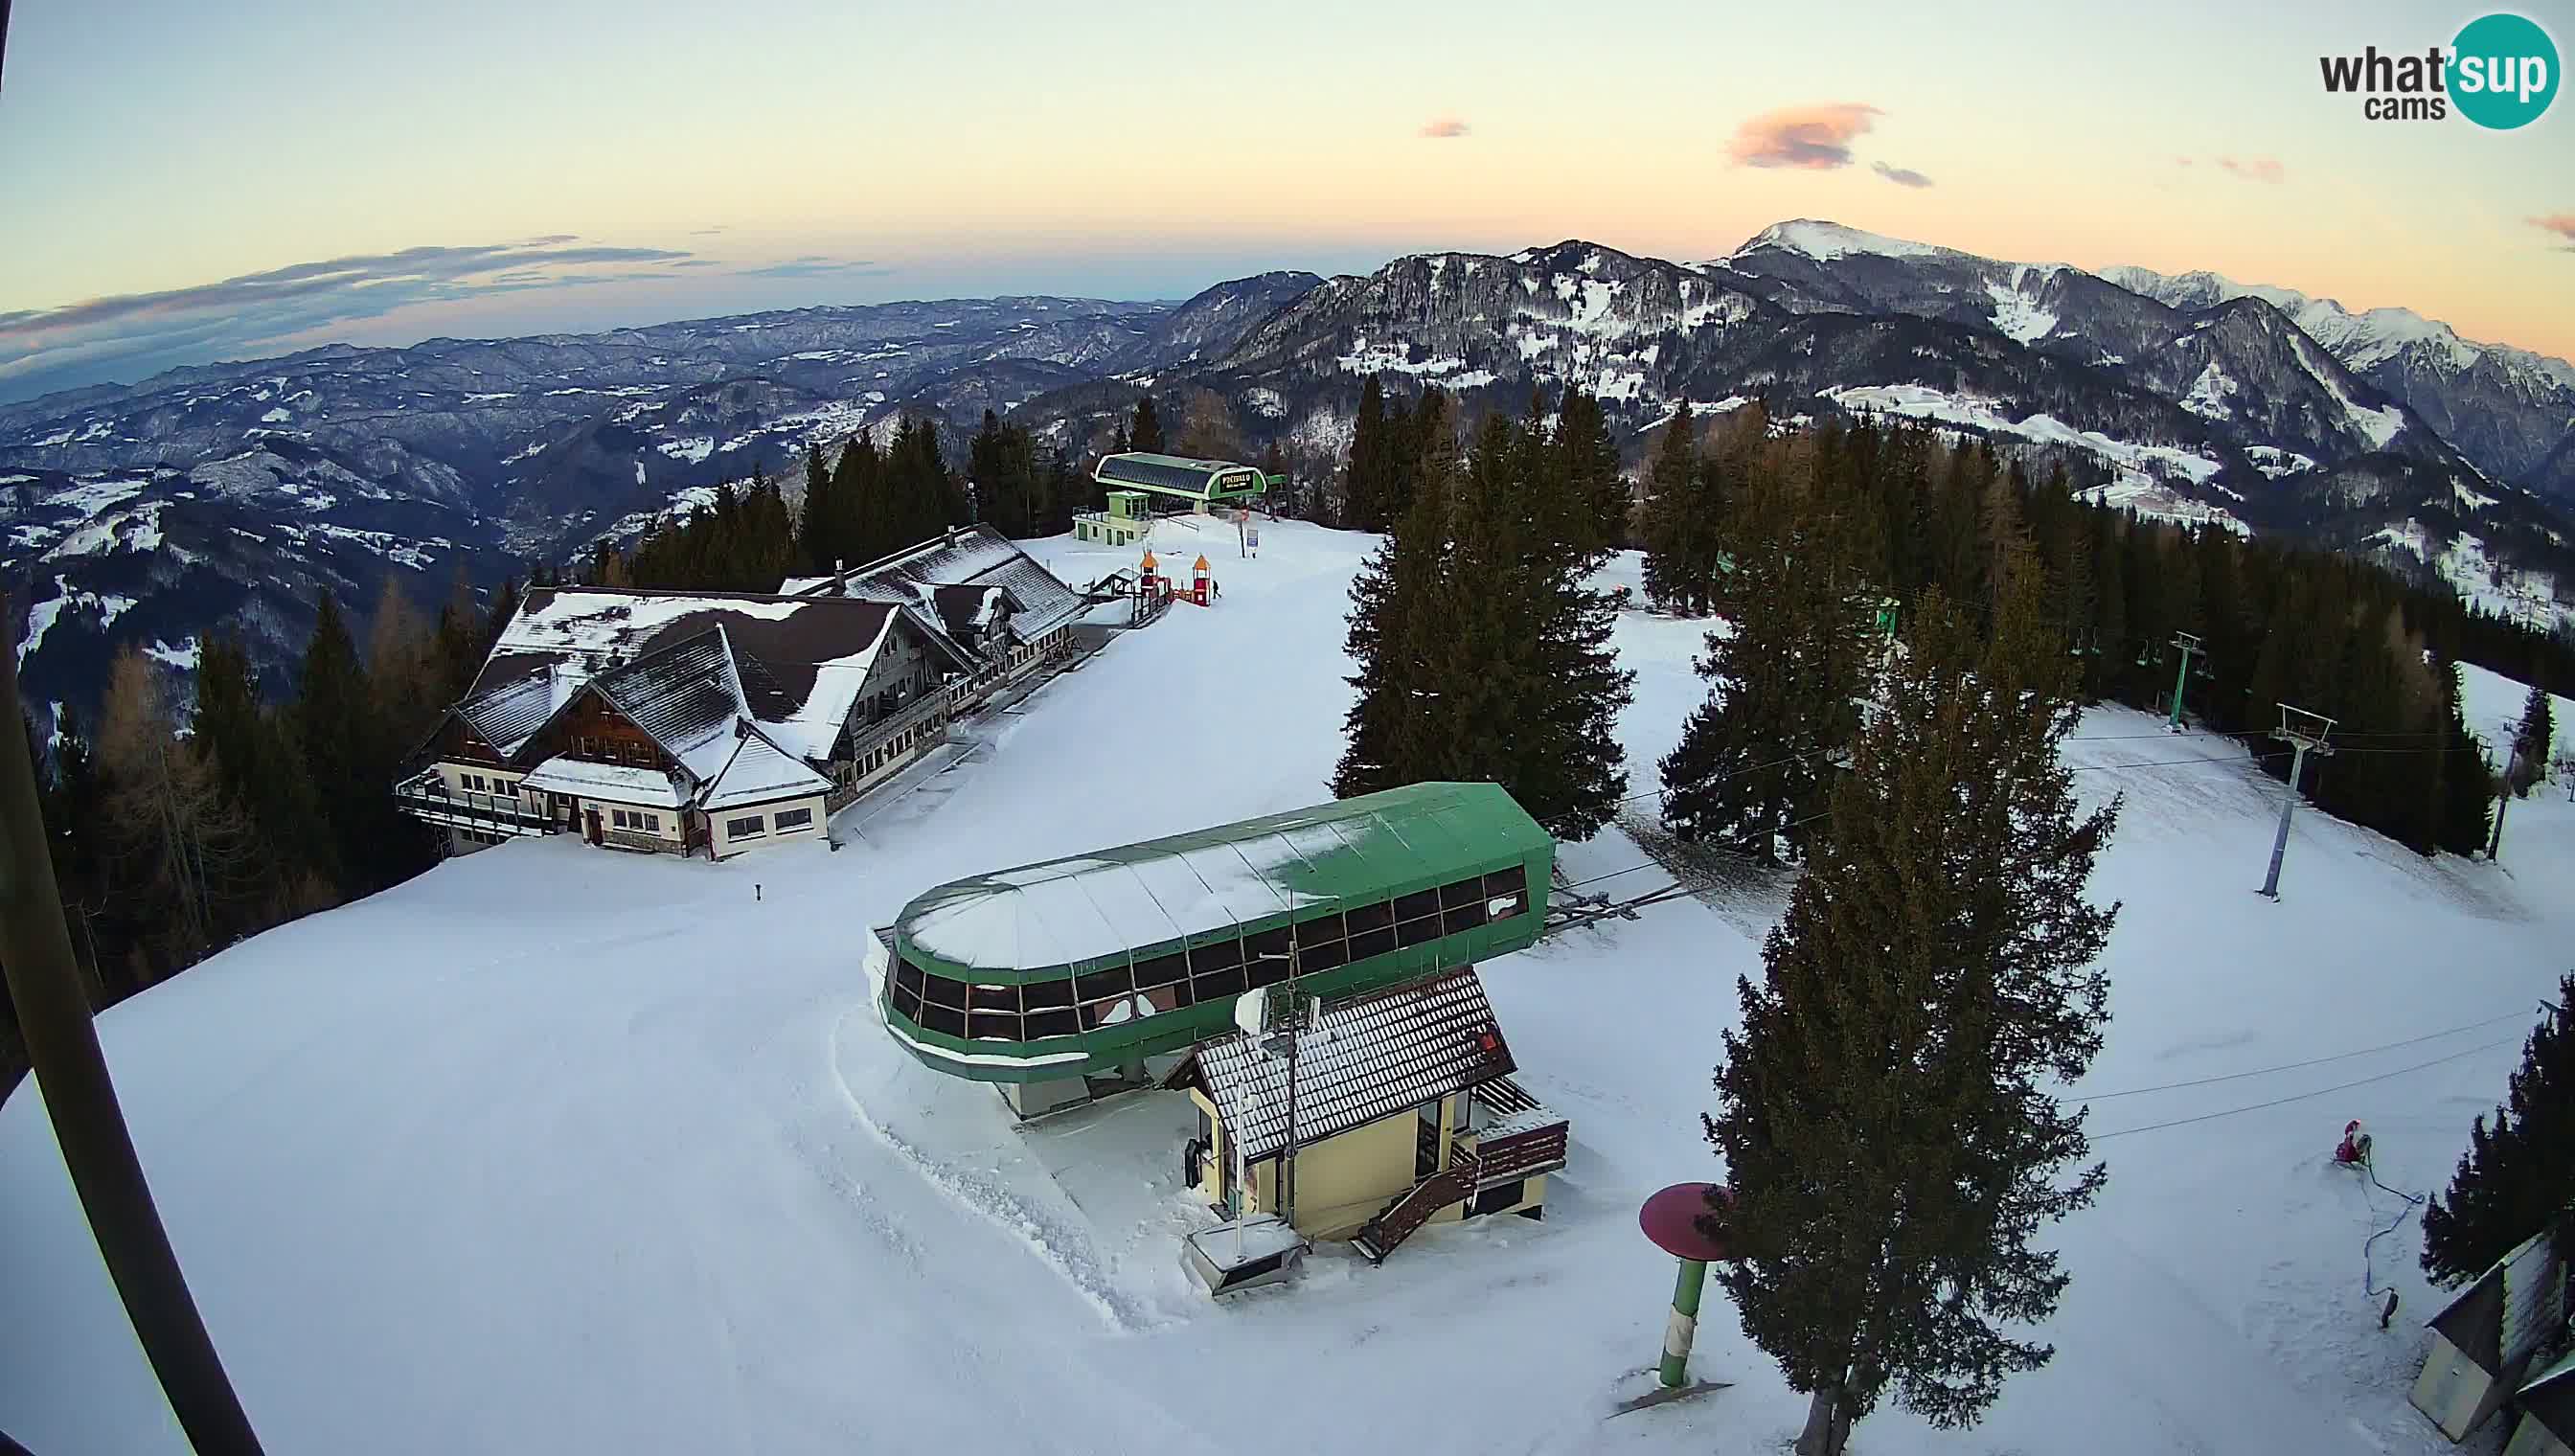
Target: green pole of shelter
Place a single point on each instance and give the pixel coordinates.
(1685, 1323)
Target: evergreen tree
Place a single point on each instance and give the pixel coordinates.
(260, 771)
(352, 760)
(1369, 488)
(1889, 1144)
(1207, 430)
(2464, 781)
(2517, 1177)
(823, 517)
(400, 665)
(1755, 760)
(1146, 434)
(1588, 463)
(1671, 501)
(1396, 639)
(2531, 740)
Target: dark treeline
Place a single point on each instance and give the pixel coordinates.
(1797, 537)
(179, 829)
(867, 502)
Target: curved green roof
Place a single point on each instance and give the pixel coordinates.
(1175, 475)
(1068, 916)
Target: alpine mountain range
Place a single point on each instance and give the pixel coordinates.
(230, 496)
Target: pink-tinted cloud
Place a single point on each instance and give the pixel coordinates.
(2560, 223)
(1809, 138)
(2255, 169)
(1901, 176)
(2182, 161)
(1443, 128)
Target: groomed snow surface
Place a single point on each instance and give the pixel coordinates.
(555, 1149)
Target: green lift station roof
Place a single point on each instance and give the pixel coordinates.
(1041, 922)
(1175, 474)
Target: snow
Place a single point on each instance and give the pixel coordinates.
(2207, 397)
(1826, 242)
(551, 1149)
(1923, 402)
(138, 530)
(2377, 426)
(622, 782)
(2275, 462)
(1364, 360)
(2017, 314)
(183, 656)
(42, 616)
(579, 620)
(694, 450)
(92, 497)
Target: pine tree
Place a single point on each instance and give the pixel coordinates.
(2465, 781)
(1588, 463)
(1144, 434)
(2517, 1177)
(260, 771)
(1671, 498)
(1889, 1144)
(1366, 488)
(1755, 760)
(352, 759)
(823, 517)
(400, 667)
(1395, 640)
(2531, 740)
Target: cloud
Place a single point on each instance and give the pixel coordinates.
(2182, 161)
(2560, 223)
(696, 263)
(815, 265)
(1444, 127)
(1809, 138)
(129, 335)
(706, 231)
(1901, 176)
(2255, 169)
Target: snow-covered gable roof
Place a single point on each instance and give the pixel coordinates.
(760, 772)
(695, 699)
(794, 664)
(924, 576)
(614, 783)
(1367, 1058)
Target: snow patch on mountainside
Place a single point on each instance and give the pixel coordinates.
(2274, 462)
(2377, 426)
(2017, 314)
(2207, 397)
(1923, 403)
(2462, 560)
(42, 616)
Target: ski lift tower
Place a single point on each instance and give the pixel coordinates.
(2304, 732)
(2187, 645)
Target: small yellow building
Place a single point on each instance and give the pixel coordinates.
(1405, 1114)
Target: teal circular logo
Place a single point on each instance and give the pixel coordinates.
(2503, 71)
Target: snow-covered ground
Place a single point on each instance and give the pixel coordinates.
(554, 1149)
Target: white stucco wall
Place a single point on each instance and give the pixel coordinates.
(727, 843)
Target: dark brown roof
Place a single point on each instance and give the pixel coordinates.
(1370, 1056)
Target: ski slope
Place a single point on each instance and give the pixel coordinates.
(552, 1150)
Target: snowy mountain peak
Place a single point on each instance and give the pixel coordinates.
(1826, 240)
(2358, 340)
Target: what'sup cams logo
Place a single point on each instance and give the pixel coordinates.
(2500, 72)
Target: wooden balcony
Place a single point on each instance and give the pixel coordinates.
(428, 798)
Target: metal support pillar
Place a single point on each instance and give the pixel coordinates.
(2305, 732)
(1685, 1323)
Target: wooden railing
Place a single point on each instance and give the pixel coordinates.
(1413, 1208)
(428, 798)
(1540, 1149)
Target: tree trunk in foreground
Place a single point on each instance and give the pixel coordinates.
(1827, 1430)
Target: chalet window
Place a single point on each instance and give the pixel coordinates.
(617, 818)
(791, 819)
(1498, 1198)
(652, 821)
(748, 827)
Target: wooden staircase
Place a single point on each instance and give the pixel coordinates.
(1413, 1207)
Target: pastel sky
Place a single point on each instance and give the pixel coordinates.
(182, 181)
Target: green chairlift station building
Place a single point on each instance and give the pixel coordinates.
(1061, 982)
